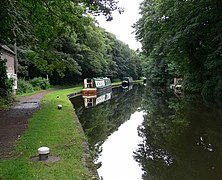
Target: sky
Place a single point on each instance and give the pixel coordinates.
(121, 25)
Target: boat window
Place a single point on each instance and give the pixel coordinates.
(89, 83)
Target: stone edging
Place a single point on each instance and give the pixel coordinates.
(86, 157)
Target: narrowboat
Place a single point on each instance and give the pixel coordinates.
(144, 80)
(97, 86)
(127, 81)
(177, 85)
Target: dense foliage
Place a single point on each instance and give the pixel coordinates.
(24, 87)
(40, 83)
(182, 39)
(6, 97)
(32, 85)
(27, 18)
(5, 83)
(61, 39)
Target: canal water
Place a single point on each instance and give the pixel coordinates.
(143, 132)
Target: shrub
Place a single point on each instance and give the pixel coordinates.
(5, 83)
(6, 102)
(208, 88)
(24, 87)
(193, 84)
(35, 84)
(40, 83)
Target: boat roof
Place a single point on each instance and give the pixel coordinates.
(99, 78)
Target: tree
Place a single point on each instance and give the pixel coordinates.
(126, 62)
(186, 35)
(17, 16)
(61, 39)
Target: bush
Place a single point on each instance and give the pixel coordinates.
(35, 84)
(212, 87)
(5, 83)
(193, 84)
(40, 83)
(24, 87)
(208, 88)
(6, 102)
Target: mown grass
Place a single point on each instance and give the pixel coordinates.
(55, 129)
(51, 88)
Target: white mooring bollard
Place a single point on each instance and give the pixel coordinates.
(43, 153)
(59, 106)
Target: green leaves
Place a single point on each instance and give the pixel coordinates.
(61, 39)
(5, 83)
(184, 34)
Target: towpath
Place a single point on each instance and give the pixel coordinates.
(14, 121)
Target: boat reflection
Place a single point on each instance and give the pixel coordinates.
(181, 137)
(93, 100)
(127, 87)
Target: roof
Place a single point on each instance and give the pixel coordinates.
(6, 48)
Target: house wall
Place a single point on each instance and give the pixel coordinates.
(10, 61)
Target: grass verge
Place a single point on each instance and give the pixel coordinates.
(55, 129)
(31, 93)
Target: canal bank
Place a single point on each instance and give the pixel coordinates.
(55, 129)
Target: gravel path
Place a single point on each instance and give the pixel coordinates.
(14, 121)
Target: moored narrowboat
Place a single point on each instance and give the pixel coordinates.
(127, 81)
(144, 80)
(96, 85)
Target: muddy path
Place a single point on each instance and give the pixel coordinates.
(14, 121)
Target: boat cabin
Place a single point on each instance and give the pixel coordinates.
(96, 85)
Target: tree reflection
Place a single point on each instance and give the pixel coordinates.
(101, 121)
(182, 137)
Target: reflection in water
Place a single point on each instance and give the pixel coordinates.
(93, 100)
(181, 137)
(102, 120)
(127, 87)
(117, 155)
